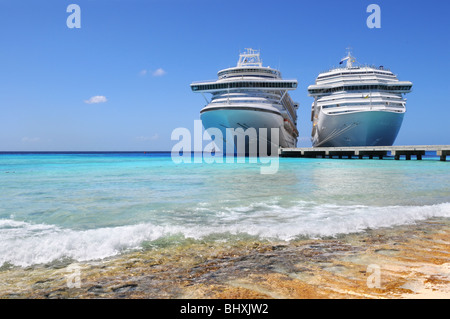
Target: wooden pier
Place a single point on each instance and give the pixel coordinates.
(368, 151)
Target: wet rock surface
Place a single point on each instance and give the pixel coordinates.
(403, 262)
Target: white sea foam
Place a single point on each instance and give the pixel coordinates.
(25, 244)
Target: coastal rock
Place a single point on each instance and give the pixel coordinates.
(323, 268)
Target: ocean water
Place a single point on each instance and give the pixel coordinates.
(91, 206)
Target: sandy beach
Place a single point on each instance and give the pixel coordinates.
(409, 262)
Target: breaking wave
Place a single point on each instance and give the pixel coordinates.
(24, 244)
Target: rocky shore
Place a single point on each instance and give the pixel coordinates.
(410, 261)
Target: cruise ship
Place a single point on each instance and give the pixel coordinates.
(250, 95)
(356, 105)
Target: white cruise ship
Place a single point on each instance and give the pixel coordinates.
(357, 105)
(250, 96)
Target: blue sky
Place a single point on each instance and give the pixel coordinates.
(138, 58)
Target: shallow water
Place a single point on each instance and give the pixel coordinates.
(90, 206)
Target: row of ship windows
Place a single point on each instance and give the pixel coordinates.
(359, 104)
(356, 95)
(246, 70)
(240, 76)
(361, 88)
(247, 93)
(242, 101)
(348, 111)
(218, 86)
(354, 73)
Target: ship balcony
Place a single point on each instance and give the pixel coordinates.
(333, 110)
(395, 87)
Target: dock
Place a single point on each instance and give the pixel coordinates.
(368, 152)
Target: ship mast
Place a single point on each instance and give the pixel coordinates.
(249, 58)
(349, 58)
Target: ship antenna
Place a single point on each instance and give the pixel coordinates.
(349, 58)
(250, 58)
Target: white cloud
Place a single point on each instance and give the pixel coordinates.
(159, 72)
(154, 137)
(96, 99)
(27, 139)
(156, 73)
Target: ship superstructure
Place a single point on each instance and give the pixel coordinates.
(250, 95)
(356, 105)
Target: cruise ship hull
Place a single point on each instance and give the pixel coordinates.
(245, 117)
(364, 128)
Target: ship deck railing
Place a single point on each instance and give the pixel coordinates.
(359, 66)
(245, 78)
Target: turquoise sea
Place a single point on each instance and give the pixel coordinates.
(87, 206)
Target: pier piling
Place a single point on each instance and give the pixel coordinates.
(370, 151)
(443, 154)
